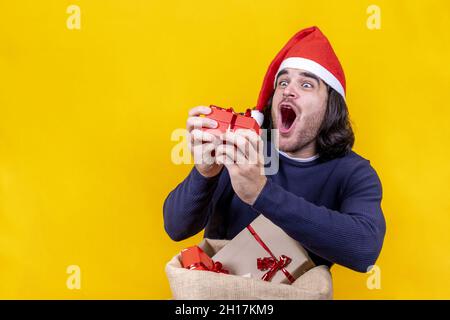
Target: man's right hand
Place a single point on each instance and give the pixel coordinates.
(203, 144)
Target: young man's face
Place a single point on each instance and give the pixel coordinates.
(298, 107)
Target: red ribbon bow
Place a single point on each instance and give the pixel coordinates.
(217, 267)
(271, 263)
(247, 113)
(234, 115)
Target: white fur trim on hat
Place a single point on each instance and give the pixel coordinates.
(314, 67)
(258, 116)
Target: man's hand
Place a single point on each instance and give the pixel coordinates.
(202, 144)
(243, 157)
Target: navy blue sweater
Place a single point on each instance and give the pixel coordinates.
(331, 207)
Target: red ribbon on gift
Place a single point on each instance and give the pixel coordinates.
(217, 267)
(271, 263)
(247, 113)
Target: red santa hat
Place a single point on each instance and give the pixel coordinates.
(309, 50)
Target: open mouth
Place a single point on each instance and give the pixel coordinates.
(287, 118)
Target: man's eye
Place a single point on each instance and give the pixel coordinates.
(282, 83)
(307, 85)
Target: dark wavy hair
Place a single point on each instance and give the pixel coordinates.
(335, 137)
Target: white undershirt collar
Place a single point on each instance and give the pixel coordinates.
(303, 160)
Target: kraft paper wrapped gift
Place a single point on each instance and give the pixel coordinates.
(249, 251)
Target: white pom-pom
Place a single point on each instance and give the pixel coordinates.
(258, 116)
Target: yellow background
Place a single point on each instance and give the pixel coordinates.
(86, 118)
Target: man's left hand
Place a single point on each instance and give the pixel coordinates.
(243, 156)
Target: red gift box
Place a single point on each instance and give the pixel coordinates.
(229, 119)
(194, 258)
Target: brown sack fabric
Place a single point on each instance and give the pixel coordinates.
(315, 284)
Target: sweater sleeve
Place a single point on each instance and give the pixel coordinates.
(186, 208)
(352, 236)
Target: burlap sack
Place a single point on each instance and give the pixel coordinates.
(316, 284)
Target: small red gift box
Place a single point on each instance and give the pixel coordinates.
(194, 258)
(229, 119)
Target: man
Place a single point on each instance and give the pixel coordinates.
(324, 195)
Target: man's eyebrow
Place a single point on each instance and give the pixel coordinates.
(310, 75)
(284, 71)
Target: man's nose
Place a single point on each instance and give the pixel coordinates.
(289, 91)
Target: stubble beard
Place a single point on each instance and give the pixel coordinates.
(303, 138)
